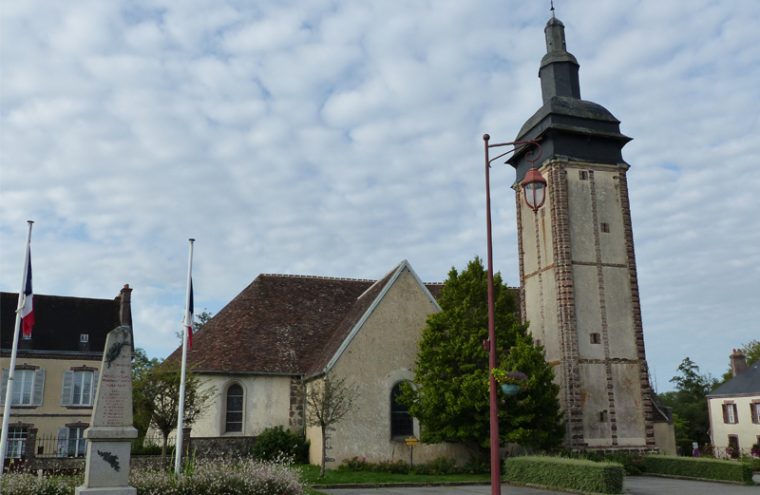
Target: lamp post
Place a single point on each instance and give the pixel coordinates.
(537, 187)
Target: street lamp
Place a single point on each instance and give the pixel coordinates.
(537, 186)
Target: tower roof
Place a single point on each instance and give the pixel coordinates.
(566, 125)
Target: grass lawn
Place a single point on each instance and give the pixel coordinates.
(334, 477)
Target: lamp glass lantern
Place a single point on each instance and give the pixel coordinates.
(534, 188)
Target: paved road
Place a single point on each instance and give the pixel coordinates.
(634, 485)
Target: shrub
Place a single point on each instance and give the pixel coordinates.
(439, 465)
(278, 443)
(563, 473)
(699, 467)
(29, 484)
(632, 462)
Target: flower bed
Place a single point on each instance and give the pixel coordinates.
(208, 477)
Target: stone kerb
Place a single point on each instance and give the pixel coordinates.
(111, 431)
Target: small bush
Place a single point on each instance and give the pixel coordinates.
(277, 443)
(701, 468)
(439, 465)
(563, 473)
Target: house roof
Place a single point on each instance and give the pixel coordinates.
(285, 324)
(59, 321)
(745, 383)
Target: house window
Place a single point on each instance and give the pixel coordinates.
(71, 442)
(603, 416)
(755, 410)
(79, 386)
(234, 418)
(583, 174)
(16, 442)
(729, 414)
(28, 386)
(605, 227)
(596, 338)
(84, 338)
(401, 421)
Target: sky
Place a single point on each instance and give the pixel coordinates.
(337, 138)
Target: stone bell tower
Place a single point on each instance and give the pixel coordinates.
(577, 265)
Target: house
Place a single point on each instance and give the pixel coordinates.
(56, 369)
(284, 332)
(734, 408)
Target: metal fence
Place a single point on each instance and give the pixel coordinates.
(76, 446)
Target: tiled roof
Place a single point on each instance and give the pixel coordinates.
(285, 324)
(59, 321)
(745, 383)
(279, 324)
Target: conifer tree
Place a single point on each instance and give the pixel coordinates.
(450, 395)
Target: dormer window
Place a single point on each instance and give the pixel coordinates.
(84, 338)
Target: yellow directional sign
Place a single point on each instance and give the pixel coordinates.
(411, 441)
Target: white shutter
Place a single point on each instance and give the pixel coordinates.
(39, 387)
(94, 387)
(68, 377)
(63, 441)
(3, 386)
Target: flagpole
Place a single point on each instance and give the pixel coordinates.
(181, 408)
(12, 365)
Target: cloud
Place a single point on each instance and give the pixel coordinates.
(337, 138)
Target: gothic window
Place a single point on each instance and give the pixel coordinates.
(401, 421)
(729, 414)
(79, 387)
(28, 385)
(234, 416)
(596, 338)
(603, 416)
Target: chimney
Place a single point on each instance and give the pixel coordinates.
(738, 362)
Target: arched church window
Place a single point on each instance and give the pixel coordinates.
(401, 421)
(234, 413)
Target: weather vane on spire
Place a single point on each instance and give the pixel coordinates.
(551, 2)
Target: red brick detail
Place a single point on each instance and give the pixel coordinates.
(636, 309)
(566, 319)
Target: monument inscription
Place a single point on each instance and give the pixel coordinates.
(111, 432)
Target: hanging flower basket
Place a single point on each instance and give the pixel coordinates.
(510, 381)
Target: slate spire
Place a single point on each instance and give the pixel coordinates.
(559, 68)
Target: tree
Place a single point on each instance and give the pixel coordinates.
(142, 403)
(327, 403)
(201, 319)
(161, 385)
(450, 396)
(689, 404)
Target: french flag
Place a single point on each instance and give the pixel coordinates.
(189, 317)
(27, 308)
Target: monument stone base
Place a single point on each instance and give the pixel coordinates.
(127, 490)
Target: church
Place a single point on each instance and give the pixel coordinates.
(578, 290)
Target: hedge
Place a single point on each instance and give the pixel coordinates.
(699, 467)
(570, 474)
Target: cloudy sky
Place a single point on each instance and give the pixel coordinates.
(332, 137)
